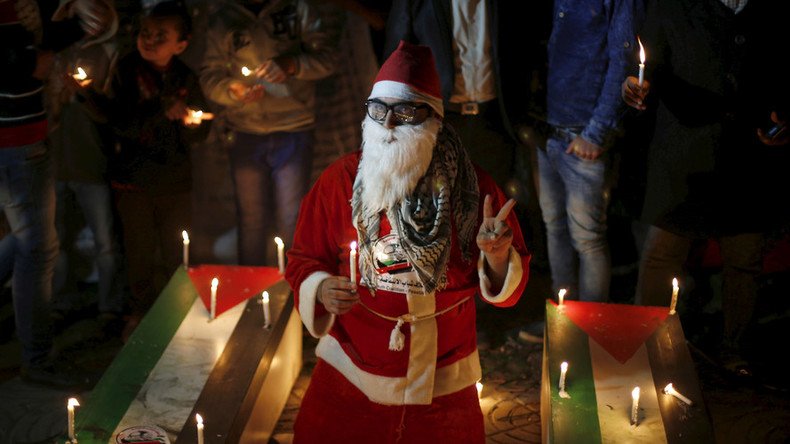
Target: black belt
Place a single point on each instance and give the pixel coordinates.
(469, 108)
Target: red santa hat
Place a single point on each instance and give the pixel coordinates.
(410, 74)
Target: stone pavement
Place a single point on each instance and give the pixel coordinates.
(741, 411)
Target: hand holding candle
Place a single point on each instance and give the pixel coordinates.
(641, 62)
(280, 254)
(199, 420)
(185, 236)
(70, 406)
(675, 289)
(81, 77)
(635, 406)
(214, 285)
(266, 313)
(352, 259)
(670, 390)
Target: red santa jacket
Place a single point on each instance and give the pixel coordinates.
(440, 353)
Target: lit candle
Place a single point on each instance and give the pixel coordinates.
(196, 117)
(561, 296)
(70, 406)
(199, 420)
(563, 372)
(352, 259)
(670, 390)
(479, 386)
(267, 316)
(641, 61)
(185, 235)
(80, 75)
(675, 290)
(635, 406)
(280, 254)
(246, 72)
(214, 285)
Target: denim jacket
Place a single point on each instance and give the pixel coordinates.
(590, 54)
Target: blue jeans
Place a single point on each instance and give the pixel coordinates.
(271, 175)
(573, 199)
(27, 196)
(95, 200)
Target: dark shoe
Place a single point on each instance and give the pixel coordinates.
(532, 332)
(50, 375)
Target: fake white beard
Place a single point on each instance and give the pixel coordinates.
(393, 161)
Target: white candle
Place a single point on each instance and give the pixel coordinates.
(280, 254)
(563, 371)
(561, 296)
(641, 62)
(635, 406)
(185, 236)
(245, 71)
(670, 390)
(479, 386)
(267, 316)
(70, 406)
(675, 290)
(199, 420)
(352, 259)
(214, 285)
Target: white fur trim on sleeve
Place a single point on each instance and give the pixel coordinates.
(512, 279)
(307, 301)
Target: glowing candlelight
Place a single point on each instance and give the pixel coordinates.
(675, 290)
(479, 386)
(563, 372)
(561, 296)
(196, 117)
(214, 285)
(641, 61)
(185, 236)
(280, 254)
(80, 75)
(246, 72)
(635, 406)
(70, 406)
(199, 420)
(352, 258)
(670, 390)
(267, 316)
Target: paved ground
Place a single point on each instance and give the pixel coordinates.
(742, 412)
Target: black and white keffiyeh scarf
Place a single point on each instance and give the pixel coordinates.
(423, 220)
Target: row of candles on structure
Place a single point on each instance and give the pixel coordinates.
(669, 389)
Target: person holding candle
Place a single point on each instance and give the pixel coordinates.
(433, 231)
(712, 172)
(31, 33)
(269, 109)
(151, 171)
(80, 146)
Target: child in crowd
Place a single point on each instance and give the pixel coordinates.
(153, 114)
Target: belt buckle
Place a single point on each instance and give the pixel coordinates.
(469, 109)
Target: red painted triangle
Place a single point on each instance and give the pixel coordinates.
(620, 329)
(236, 283)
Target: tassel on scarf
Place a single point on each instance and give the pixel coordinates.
(397, 338)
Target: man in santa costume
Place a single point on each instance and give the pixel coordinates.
(398, 357)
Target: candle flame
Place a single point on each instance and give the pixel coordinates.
(479, 386)
(278, 241)
(669, 389)
(641, 51)
(185, 235)
(265, 297)
(81, 74)
(561, 295)
(353, 246)
(199, 419)
(245, 71)
(214, 283)
(635, 394)
(564, 366)
(73, 403)
(674, 283)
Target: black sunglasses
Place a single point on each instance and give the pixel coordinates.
(404, 112)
